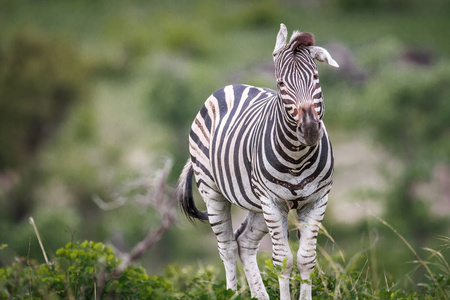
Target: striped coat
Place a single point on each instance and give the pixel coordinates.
(245, 148)
(267, 152)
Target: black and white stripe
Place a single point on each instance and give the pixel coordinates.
(267, 152)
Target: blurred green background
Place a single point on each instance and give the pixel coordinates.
(97, 97)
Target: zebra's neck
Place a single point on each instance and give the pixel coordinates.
(284, 136)
(281, 161)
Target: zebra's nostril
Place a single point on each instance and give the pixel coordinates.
(309, 133)
(319, 126)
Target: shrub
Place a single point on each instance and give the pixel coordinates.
(90, 270)
(84, 270)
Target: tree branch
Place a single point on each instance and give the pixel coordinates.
(163, 202)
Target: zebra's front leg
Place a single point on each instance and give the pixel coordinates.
(309, 223)
(275, 215)
(219, 216)
(248, 236)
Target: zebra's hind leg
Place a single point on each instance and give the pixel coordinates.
(309, 223)
(248, 236)
(219, 216)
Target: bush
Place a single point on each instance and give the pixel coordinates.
(90, 270)
(84, 270)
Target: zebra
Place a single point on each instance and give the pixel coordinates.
(267, 152)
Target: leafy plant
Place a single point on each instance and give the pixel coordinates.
(90, 270)
(86, 270)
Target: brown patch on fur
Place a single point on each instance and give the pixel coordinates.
(304, 39)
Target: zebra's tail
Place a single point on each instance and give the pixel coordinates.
(185, 197)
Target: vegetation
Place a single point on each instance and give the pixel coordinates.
(90, 270)
(96, 98)
(80, 271)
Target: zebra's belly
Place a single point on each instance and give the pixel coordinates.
(247, 193)
(297, 195)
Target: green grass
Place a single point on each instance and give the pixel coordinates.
(89, 270)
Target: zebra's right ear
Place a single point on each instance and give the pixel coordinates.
(281, 39)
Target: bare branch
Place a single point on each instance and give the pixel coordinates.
(163, 201)
(108, 205)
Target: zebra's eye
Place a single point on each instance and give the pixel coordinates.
(280, 83)
(316, 76)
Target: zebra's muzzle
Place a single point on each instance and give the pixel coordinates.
(309, 133)
(309, 126)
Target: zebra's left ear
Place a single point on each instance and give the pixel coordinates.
(321, 54)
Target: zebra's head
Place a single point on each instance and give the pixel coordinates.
(298, 82)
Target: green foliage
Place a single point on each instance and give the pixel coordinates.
(84, 270)
(40, 79)
(201, 283)
(337, 278)
(370, 5)
(60, 222)
(408, 107)
(89, 270)
(258, 14)
(403, 106)
(168, 100)
(187, 37)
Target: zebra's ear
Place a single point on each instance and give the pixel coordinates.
(321, 54)
(281, 39)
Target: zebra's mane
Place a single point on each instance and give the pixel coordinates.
(301, 39)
